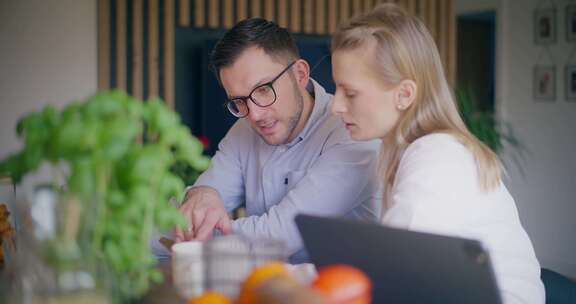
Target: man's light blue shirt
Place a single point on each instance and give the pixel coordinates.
(321, 172)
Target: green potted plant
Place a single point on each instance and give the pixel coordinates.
(115, 154)
(484, 125)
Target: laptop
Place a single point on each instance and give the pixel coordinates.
(404, 266)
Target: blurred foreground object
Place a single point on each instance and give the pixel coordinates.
(285, 290)
(343, 284)
(211, 297)
(7, 234)
(259, 276)
(223, 263)
(111, 157)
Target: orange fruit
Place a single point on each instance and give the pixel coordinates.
(210, 297)
(257, 277)
(343, 284)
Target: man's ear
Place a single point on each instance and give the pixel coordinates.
(406, 94)
(301, 71)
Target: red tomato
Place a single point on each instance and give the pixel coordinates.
(343, 284)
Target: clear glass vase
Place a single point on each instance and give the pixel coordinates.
(51, 264)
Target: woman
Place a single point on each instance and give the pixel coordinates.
(437, 176)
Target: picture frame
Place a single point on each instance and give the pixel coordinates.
(545, 26)
(571, 23)
(544, 83)
(570, 84)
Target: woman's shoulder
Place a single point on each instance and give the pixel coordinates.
(437, 146)
(437, 157)
(439, 163)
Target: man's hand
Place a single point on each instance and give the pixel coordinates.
(204, 210)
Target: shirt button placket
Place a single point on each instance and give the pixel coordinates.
(268, 173)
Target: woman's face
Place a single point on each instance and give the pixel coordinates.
(364, 103)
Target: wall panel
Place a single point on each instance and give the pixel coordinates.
(151, 56)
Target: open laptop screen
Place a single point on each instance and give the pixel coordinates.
(404, 266)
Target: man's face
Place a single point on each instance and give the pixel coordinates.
(275, 123)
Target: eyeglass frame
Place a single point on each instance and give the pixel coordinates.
(269, 84)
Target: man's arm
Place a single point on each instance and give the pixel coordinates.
(341, 179)
(205, 211)
(218, 190)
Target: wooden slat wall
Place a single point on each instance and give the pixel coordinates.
(344, 11)
(199, 14)
(169, 15)
(319, 17)
(356, 7)
(332, 16)
(410, 5)
(184, 13)
(228, 6)
(103, 44)
(367, 5)
(269, 9)
(309, 17)
(241, 10)
(137, 49)
(255, 8)
(295, 25)
(121, 44)
(153, 48)
(214, 14)
(282, 13)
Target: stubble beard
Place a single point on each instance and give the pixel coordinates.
(294, 119)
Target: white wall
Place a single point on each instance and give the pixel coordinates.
(47, 55)
(546, 190)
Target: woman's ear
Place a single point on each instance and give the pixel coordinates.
(405, 94)
(302, 73)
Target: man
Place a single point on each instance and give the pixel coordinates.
(285, 155)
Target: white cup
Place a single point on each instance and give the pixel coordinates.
(188, 268)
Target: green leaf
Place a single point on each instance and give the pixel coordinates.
(156, 276)
(113, 255)
(116, 198)
(31, 158)
(171, 186)
(71, 111)
(159, 117)
(82, 177)
(105, 105)
(13, 167)
(68, 136)
(149, 162)
(117, 137)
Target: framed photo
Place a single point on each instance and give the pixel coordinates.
(545, 83)
(570, 82)
(571, 23)
(545, 26)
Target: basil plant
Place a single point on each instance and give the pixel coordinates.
(116, 155)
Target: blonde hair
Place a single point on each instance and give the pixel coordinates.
(403, 49)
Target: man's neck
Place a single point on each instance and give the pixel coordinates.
(308, 101)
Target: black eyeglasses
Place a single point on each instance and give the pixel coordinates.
(263, 95)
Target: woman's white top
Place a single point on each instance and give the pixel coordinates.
(437, 190)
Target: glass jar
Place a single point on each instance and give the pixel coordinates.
(49, 266)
